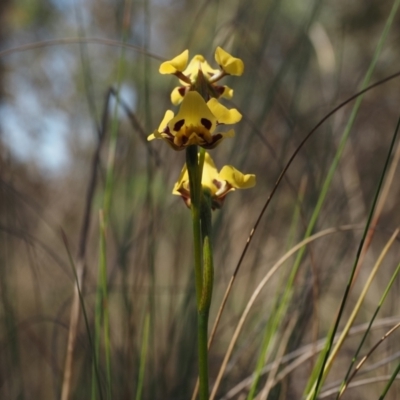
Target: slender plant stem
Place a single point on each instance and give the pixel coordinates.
(204, 271)
(208, 265)
(195, 185)
(202, 319)
(143, 356)
(204, 305)
(202, 326)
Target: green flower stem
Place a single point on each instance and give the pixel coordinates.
(208, 267)
(195, 190)
(202, 327)
(206, 295)
(204, 270)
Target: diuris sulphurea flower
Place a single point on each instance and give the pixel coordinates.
(195, 123)
(188, 74)
(218, 184)
(200, 184)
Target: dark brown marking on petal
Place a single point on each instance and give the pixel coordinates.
(217, 183)
(219, 89)
(206, 123)
(214, 141)
(178, 125)
(217, 137)
(182, 91)
(184, 140)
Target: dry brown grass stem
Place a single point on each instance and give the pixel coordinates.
(77, 40)
(259, 288)
(80, 264)
(361, 382)
(278, 359)
(379, 207)
(303, 354)
(364, 359)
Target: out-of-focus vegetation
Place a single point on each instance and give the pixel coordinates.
(302, 58)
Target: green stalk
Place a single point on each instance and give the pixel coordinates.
(195, 189)
(391, 380)
(143, 356)
(204, 305)
(381, 301)
(208, 264)
(202, 327)
(204, 272)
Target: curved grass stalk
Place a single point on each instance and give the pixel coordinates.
(389, 384)
(348, 378)
(82, 303)
(280, 353)
(357, 307)
(323, 371)
(258, 290)
(278, 308)
(78, 40)
(301, 355)
(361, 382)
(381, 203)
(364, 359)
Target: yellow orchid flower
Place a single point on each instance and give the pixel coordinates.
(189, 73)
(195, 123)
(219, 184)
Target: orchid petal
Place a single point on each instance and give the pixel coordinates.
(230, 65)
(177, 64)
(236, 179)
(223, 114)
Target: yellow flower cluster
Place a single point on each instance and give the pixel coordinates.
(199, 117)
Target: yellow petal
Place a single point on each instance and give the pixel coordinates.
(196, 63)
(223, 115)
(183, 181)
(229, 64)
(194, 112)
(177, 64)
(227, 93)
(167, 117)
(210, 174)
(236, 179)
(176, 97)
(152, 136)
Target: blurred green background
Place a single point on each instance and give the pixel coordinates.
(302, 58)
